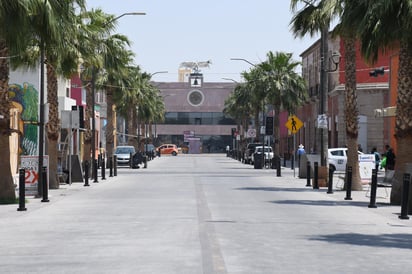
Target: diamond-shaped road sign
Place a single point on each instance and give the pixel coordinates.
(293, 124)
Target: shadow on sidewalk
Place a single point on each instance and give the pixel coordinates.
(277, 189)
(383, 240)
(328, 203)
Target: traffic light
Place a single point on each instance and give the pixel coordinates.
(376, 72)
(81, 115)
(269, 126)
(233, 132)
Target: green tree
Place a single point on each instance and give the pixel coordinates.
(14, 23)
(316, 16)
(104, 57)
(385, 25)
(286, 88)
(257, 91)
(62, 58)
(127, 102)
(238, 106)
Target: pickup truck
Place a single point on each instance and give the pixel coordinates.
(268, 153)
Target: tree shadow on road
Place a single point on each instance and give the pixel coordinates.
(280, 189)
(325, 203)
(383, 240)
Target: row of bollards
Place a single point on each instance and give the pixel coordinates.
(374, 185)
(44, 184)
(22, 188)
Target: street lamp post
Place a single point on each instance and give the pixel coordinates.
(323, 94)
(323, 108)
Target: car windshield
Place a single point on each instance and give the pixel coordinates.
(267, 149)
(124, 150)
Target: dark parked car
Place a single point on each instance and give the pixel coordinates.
(250, 149)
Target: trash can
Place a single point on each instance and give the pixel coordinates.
(257, 161)
(137, 159)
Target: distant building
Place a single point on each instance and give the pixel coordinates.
(195, 113)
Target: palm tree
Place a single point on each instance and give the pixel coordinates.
(316, 16)
(257, 90)
(127, 101)
(14, 24)
(100, 50)
(237, 106)
(286, 89)
(62, 60)
(385, 25)
(116, 60)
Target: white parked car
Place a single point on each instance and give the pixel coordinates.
(338, 158)
(259, 150)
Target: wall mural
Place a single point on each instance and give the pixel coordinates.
(27, 97)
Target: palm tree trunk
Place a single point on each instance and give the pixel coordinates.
(110, 123)
(87, 136)
(403, 127)
(53, 128)
(276, 133)
(351, 111)
(257, 125)
(7, 190)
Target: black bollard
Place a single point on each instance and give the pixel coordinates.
(308, 174)
(315, 176)
(110, 166)
(86, 173)
(292, 163)
(22, 190)
(145, 162)
(284, 161)
(405, 197)
(278, 167)
(349, 183)
(330, 182)
(45, 186)
(103, 169)
(374, 186)
(114, 165)
(95, 171)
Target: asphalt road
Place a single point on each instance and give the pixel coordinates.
(203, 214)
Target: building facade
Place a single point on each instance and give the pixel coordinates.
(373, 92)
(194, 116)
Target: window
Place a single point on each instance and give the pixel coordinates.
(197, 118)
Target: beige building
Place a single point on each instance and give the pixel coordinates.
(195, 112)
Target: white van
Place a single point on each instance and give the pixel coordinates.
(338, 157)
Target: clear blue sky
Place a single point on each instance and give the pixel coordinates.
(177, 31)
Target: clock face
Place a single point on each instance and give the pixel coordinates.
(195, 97)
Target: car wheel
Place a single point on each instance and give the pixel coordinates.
(332, 167)
(174, 153)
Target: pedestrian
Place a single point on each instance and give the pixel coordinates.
(390, 158)
(301, 151)
(377, 157)
(360, 149)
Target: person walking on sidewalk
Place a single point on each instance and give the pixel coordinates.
(377, 158)
(390, 158)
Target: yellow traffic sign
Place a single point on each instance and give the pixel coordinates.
(293, 124)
